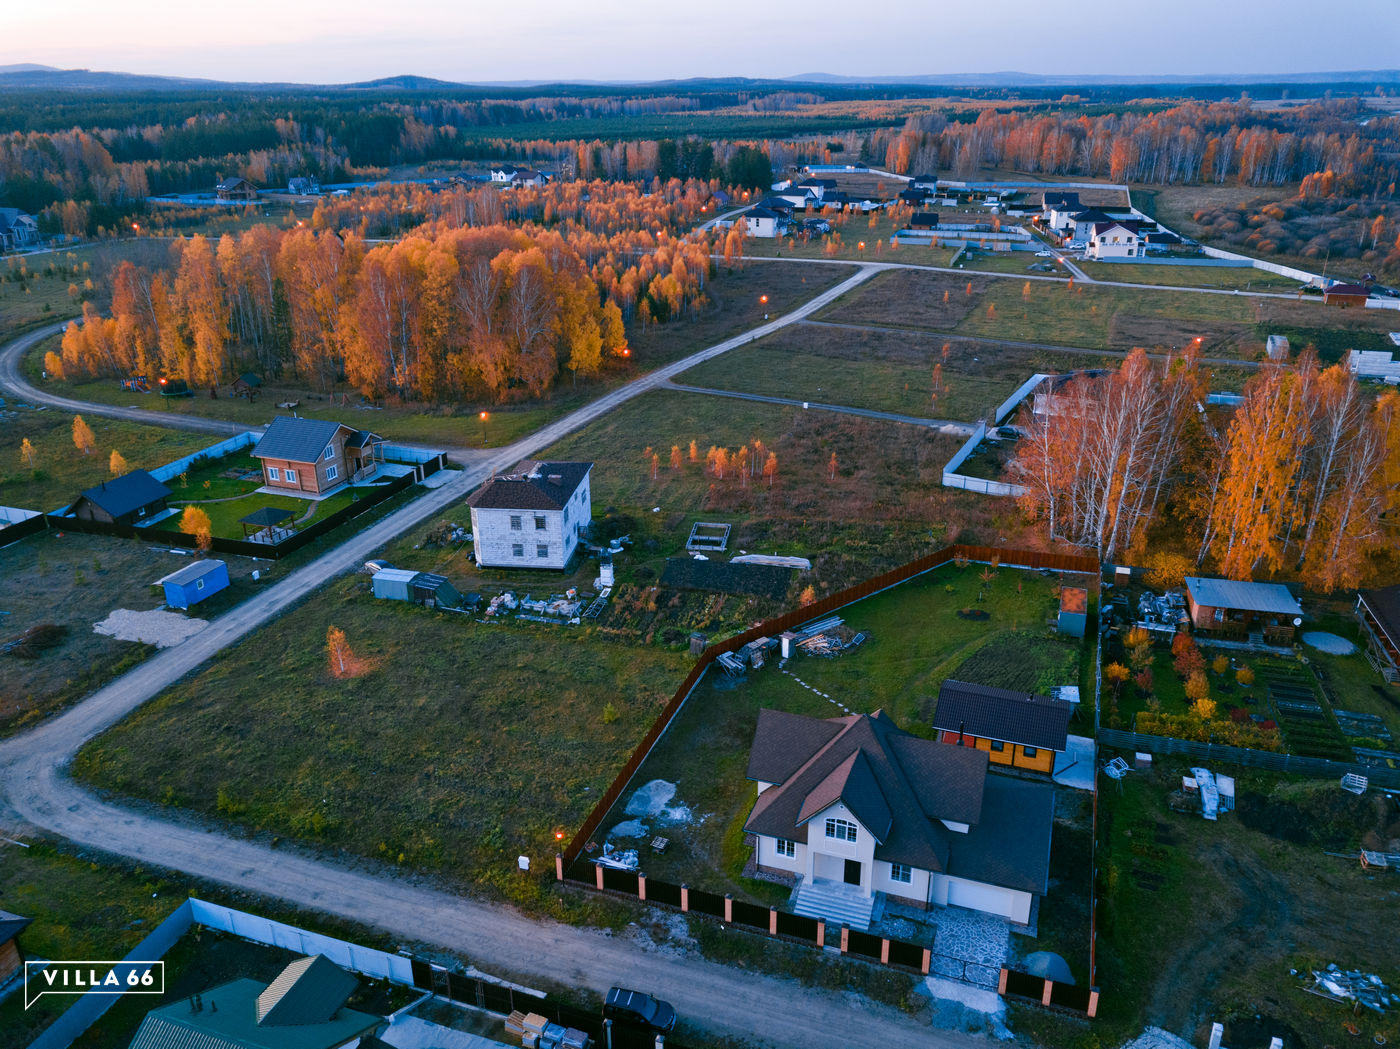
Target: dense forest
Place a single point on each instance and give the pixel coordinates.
(466, 304)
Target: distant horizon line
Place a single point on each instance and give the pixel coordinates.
(1009, 78)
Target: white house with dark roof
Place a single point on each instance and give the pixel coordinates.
(1058, 210)
(859, 808)
(1113, 240)
(531, 518)
(760, 221)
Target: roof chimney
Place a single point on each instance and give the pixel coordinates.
(556, 479)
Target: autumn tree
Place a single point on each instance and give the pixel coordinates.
(27, 455)
(195, 521)
(1117, 675)
(694, 452)
(770, 467)
(831, 467)
(83, 439)
(676, 459)
(53, 365)
(809, 595)
(117, 464)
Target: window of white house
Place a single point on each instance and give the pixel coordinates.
(517, 550)
(786, 848)
(841, 830)
(901, 872)
(272, 474)
(330, 453)
(332, 472)
(290, 476)
(542, 550)
(515, 522)
(539, 523)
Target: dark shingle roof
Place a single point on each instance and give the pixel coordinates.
(310, 990)
(11, 925)
(1000, 713)
(297, 440)
(902, 784)
(534, 486)
(1011, 844)
(360, 438)
(1347, 289)
(126, 493)
(1061, 201)
(1385, 609)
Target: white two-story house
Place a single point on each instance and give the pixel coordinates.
(1113, 240)
(857, 807)
(531, 518)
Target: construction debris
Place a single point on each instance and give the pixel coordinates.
(773, 559)
(1164, 614)
(1380, 860)
(622, 859)
(1354, 784)
(1350, 985)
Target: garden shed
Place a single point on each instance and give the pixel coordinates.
(1230, 606)
(129, 499)
(395, 584)
(435, 591)
(193, 583)
(1074, 610)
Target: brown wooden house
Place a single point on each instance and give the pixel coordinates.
(1016, 729)
(1228, 606)
(314, 457)
(237, 189)
(1346, 295)
(130, 499)
(11, 925)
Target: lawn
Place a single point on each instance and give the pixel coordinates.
(1094, 316)
(463, 746)
(855, 237)
(734, 307)
(1202, 921)
(1243, 278)
(916, 640)
(60, 472)
(884, 370)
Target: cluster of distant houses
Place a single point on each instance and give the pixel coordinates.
(17, 229)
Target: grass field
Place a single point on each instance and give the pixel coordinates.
(1092, 316)
(60, 471)
(1243, 278)
(463, 747)
(916, 641)
(854, 237)
(734, 307)
(882, 370)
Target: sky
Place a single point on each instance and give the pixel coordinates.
(339, 41)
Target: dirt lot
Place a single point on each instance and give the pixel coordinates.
(74, 581)
(1202, 922)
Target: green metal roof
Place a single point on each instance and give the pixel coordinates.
(229, 1020)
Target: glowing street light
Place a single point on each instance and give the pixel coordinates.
(483, 429)
(861, 246)
(763, 300)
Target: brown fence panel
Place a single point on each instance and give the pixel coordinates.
(1069, 996)
(863, 944)
(663, 892)
(619, 880)
(1024, 984)
(909, 955)
(751, 914)
(707, 903)
(798, 926)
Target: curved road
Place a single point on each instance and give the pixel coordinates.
(36, 793)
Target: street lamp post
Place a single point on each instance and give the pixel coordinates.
(483, 429)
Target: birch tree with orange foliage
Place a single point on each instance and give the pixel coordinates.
(83, 439)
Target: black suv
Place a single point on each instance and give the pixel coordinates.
(635, 1009)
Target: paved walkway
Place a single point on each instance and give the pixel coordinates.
(36, 793)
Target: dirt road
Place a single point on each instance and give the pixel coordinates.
(37, 793)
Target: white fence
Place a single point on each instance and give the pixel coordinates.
(953, 479)
(1022, 392)
(356, 958)
(215, 451)
(1303, 276)
(14, 515)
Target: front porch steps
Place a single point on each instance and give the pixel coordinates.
(837, 903)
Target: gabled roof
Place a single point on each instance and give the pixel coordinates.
(1103, 227)
(1000, 713)
(1092, 215)
(11, 925)
(310, 990)
(360, 438)
(1347, 289)
(192, 571)
(760, 212)
(853, 784)
(129, 492)
(904, 785)
(297, 440)
(533, 486)
(1011, 846)
(1060, 201)
(924, 178)
(1247, 597)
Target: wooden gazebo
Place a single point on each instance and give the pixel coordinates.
(265, 524)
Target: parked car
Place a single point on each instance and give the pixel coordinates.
(637, 1010)
(376, 565)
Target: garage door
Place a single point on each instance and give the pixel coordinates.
(987, 898)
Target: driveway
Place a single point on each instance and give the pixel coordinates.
(36, 793)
